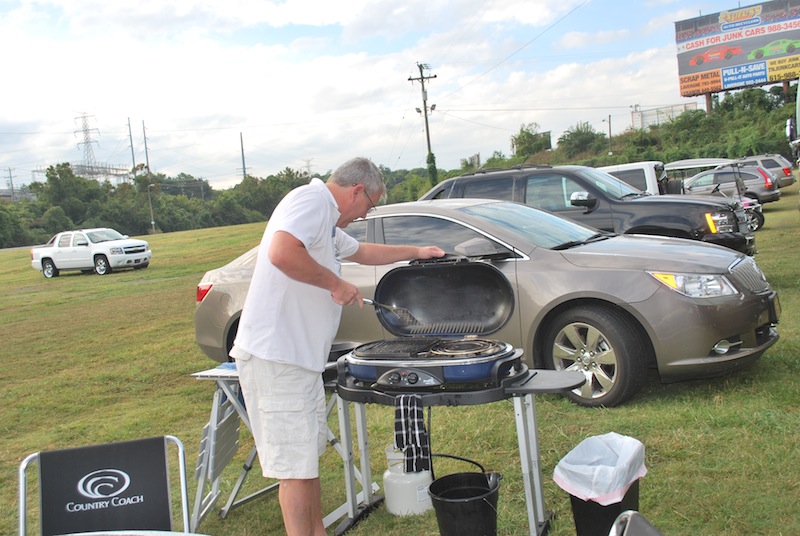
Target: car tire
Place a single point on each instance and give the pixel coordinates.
(605, 346)
(101, 266)
(755, 219)
(759, 54)
(49, 269)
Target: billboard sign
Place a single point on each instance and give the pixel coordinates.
(742, 47)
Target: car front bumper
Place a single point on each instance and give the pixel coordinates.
(687, 333)
(746, 243)
(129, 261)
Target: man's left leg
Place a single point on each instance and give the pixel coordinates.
(301, 507)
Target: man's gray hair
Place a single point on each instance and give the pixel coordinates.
(360, 170)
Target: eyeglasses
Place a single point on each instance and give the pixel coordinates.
(372, 209)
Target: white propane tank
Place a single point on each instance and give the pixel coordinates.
(406, 493)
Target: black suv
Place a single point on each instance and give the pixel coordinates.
(604, 202)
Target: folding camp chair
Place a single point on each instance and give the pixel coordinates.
(107, 487)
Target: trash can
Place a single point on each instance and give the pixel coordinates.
(601, 474)
(466, 503)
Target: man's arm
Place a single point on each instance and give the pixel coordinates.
(291, 257)
(373, 254)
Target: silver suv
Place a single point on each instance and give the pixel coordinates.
(759, 183)
(777, 164)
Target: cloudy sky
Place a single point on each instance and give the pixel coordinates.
(307, 84)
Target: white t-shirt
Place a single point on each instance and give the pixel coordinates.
(285, 320)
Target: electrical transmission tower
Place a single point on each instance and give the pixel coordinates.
(89, 163)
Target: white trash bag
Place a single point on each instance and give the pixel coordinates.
(601, 468)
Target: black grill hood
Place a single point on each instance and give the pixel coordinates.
(450, 297)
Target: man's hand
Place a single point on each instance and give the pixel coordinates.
(430, 252)
(345, 293)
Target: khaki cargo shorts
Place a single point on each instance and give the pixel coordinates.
(288, 417)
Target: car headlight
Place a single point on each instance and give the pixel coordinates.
(115, 251)
(722, 222)
(697, 285)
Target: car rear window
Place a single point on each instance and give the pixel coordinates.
(770, 163)
(495, 188)
(634, 177)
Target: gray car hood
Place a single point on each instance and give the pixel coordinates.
(707, 200)
(653, 253)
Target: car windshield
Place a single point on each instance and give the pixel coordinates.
(611, 185)
(535, 226)
(104, 235)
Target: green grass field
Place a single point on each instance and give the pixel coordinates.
(89, 359)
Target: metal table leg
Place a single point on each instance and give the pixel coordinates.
(359, 505)
(527, 436)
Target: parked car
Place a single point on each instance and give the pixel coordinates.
(777, 164)
(602, 201)
(759, 183)
(608, 305)
(100, 250)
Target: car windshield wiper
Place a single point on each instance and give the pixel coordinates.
(634, 194)
(573, 243)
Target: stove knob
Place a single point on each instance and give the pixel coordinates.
(394, 377)
(413, 378)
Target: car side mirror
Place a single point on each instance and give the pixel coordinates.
(582, 199)
(82, 243)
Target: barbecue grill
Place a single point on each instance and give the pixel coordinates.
(441, 345)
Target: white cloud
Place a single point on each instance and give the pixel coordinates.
(319, 81)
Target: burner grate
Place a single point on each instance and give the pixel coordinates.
(468, 348)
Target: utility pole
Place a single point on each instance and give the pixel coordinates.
(610, 152)
(431, 160)
(244, 168)
(130, 137)
(146, 155)
(150, 202)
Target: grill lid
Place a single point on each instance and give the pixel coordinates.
(448, 298)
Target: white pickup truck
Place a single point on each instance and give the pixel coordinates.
(648, 176)
(90, 250)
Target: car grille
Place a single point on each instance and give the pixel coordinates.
(747, 273)
(132, 250)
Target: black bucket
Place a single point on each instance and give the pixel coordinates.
(466, 503)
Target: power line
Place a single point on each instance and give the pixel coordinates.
(501, 62)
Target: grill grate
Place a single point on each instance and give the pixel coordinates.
(447, 328)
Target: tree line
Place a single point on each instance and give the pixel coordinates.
(742, 123)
